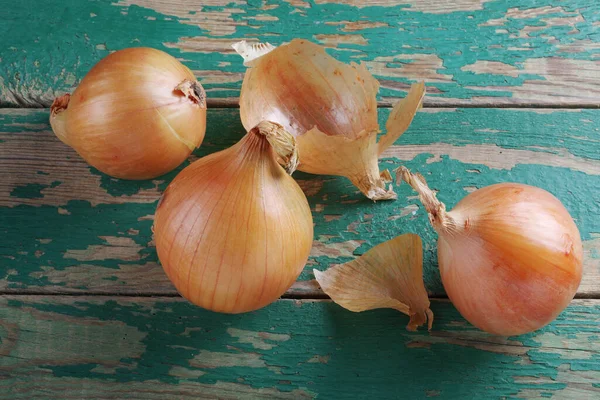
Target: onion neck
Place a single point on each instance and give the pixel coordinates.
(193, 90)
(282, 142)
(441, 221)
(58, 116)
(373, 185)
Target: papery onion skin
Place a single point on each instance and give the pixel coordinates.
(129, 117)
(303, 92)
(330, 106)
(510, 257)
(389, 275)
(233, 231)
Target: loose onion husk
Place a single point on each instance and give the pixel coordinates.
(389, 275)
(510, 255)
(233, 230)
(137, 114)
(331, 108)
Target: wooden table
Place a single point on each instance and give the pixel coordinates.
(87, 312)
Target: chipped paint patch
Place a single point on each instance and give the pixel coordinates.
(491, 67)
(496, 157)
(185, 373)
(425, 6)
(311, 187)
(317, 359)
(103, 279)
(205, 44)
(416, 67)
(190, 12)
(119, 248)
(355, 26)
(305, 287)
(335, 249)
(215, 359)
(335, 40)
(591, 262)
(258, 340)
(564, 81)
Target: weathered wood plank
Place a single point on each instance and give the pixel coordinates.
(65, 227)
(141, 348)
(469, 51)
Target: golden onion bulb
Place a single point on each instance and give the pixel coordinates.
(233, 230)
(137, 114)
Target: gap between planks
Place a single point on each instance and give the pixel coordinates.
(430, 103)
(286, 296)
(388, 103)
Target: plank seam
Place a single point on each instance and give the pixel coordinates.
(216, 104)
(290, 296)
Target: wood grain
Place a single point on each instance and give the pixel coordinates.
(140, 348)
(469, 52)
(66, 228)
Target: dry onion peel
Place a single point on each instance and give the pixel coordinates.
(233, 230)
(251, 51)
(137, 114)
(389, 275)
(331, 108)
(510, 255)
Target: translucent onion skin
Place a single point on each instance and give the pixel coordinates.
(331, 108)
(300, 86)
(510, 257)
(137, 114)
(233, 230)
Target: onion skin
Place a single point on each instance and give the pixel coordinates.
(389, 275)
(330, 107)
(297, 83)
(129, 119)
(233, 231)
(510, 255)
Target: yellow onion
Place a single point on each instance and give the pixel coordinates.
(137, 114)
(510, 255)
(233, 230)
(331, 108)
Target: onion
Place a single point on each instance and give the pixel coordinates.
(137, 114)
(233, 230)
(510, 255)
(329, 106)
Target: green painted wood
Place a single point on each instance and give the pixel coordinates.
(140, 348)
(65, 227)
(468, 51)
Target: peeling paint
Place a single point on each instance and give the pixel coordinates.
(438, 37)
(119, 248)
(496, 157)
(140, 349)
(492, 67)
(258, 340)
(542, 147)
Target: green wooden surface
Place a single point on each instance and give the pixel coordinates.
(142, 348)
(468, 51)
(70, 228)
(75, 245)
